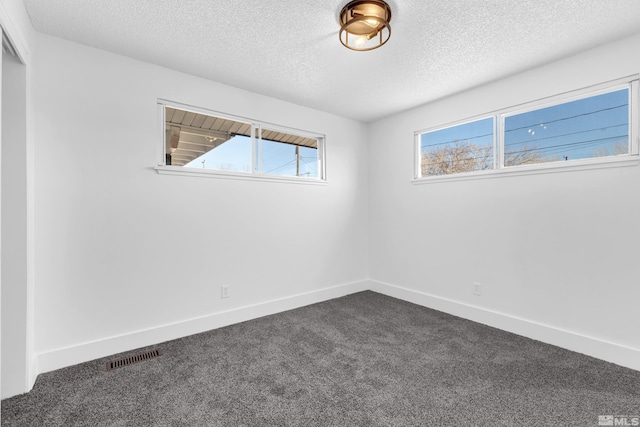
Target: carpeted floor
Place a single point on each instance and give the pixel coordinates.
(361, 360)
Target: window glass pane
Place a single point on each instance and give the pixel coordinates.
(233, 155)
(201, 141)
(462, 148)
(289, 155)
(591, 127)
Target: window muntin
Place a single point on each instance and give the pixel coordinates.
(597, 126)
(572, 130)
(465, 147)
(199, 140)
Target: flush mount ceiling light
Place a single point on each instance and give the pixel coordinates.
(364, 24)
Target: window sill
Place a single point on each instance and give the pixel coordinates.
(614, 162)
(180, 171)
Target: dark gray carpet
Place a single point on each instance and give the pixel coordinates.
(361, 360)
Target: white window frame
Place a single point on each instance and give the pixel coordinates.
(256, 149)
(631, 159)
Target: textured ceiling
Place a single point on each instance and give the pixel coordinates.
(289, 49)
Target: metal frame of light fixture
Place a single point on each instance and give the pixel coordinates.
(362, 21)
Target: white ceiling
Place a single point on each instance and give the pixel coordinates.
(289, 49)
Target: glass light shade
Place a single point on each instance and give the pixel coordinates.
(364, 24)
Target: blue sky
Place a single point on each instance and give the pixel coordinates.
(277, 158)
(479, 132)
(576, 129)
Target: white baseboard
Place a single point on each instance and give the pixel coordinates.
(611, 352)
(68, 356)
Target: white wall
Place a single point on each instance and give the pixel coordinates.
(1, 378)
(555, 253)
(14, 227)
(16, 22)
(122, 252)
(18, 363)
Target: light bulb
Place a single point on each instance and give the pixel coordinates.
(361, 40)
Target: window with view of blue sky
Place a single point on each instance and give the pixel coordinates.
(277, 158)
(595, 126)
(466, 147)
(197, 140)
(591, 127)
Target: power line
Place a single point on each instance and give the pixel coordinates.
(281, 166)
(552, 147)
(510, 144)
(568, 118)
(576, 145)
(524, 127)
(546, 150)
(456, 140)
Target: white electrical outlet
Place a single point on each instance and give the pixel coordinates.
(225, 291)
(477, 288)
